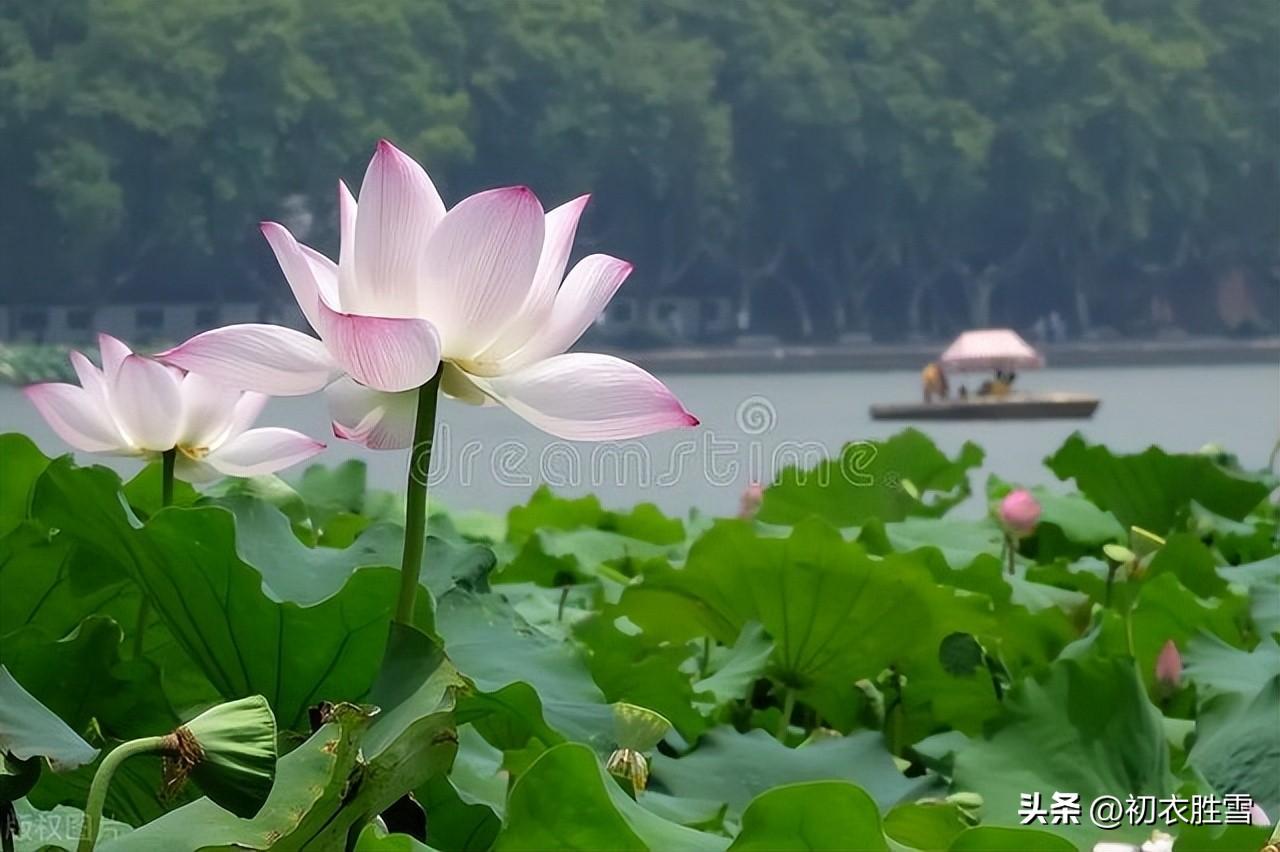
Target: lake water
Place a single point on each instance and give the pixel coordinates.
(487, 458)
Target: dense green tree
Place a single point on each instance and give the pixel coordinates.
(883, 166)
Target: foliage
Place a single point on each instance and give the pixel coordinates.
(858, 672)
(889, 166)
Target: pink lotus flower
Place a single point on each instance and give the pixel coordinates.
(477, 288)
(135, 406)
(1169, 665)
(1019, 512)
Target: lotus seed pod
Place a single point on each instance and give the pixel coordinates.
(230, 751)
(638, 728)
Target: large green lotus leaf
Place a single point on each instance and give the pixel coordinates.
(821, 815)
(57, 828)
(1083, 726)
(834, 613)
(1164, 609)
(991, 838)
(732, 671)
(960, 542)
(566, 801)
(1218, 668)
(890, 480)
(335, 495)
(1221, 838)
(931, 824)
(1070, 525)
(51, 583)
(478, 774)
(1262, 578)
(455, 824)
(546, 511)
(556, 558)
(1238, 541)
(1185, 557)
(145, 492)
(374, 839)
(293, 572)
(309, 791)
(1237, 746)
(732, 767)
(1154, 489)
(23, 464)
(29, 729)
(638, 669)
(241, 636)
(411, 740)
(84, 679)
(496, 649)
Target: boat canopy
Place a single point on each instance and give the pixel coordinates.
(990, 349)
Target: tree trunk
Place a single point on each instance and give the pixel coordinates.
(803, 314)
(1082, 308)
(980, 293)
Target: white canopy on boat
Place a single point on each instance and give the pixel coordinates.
(990, 349)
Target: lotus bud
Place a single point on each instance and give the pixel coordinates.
(752, 498)
(1169, 665)
(230, 751)
(1257, 816)
(1019, 513)
(636, 730)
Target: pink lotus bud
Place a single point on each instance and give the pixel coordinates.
(752, 497)
(1019, 512)
(1169, 665)
(1257, 816)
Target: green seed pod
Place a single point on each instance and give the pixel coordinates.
(638, 728)
(230, 751)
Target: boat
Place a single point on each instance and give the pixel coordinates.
(1030, 406)
(987, 351)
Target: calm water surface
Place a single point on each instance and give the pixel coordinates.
(487, 458)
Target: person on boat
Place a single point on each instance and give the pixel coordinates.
(934, 382)
(999, 386)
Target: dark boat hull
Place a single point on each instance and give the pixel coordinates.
(1053, 406)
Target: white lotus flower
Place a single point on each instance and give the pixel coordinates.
(477, 288)
(135, 406)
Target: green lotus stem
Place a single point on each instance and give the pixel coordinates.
(168, 460)
(415, 508)
(788, 707)
(102, 779)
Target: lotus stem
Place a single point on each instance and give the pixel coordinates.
(102, 780)
(788, 707)
(415, 511)
(168, 460)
